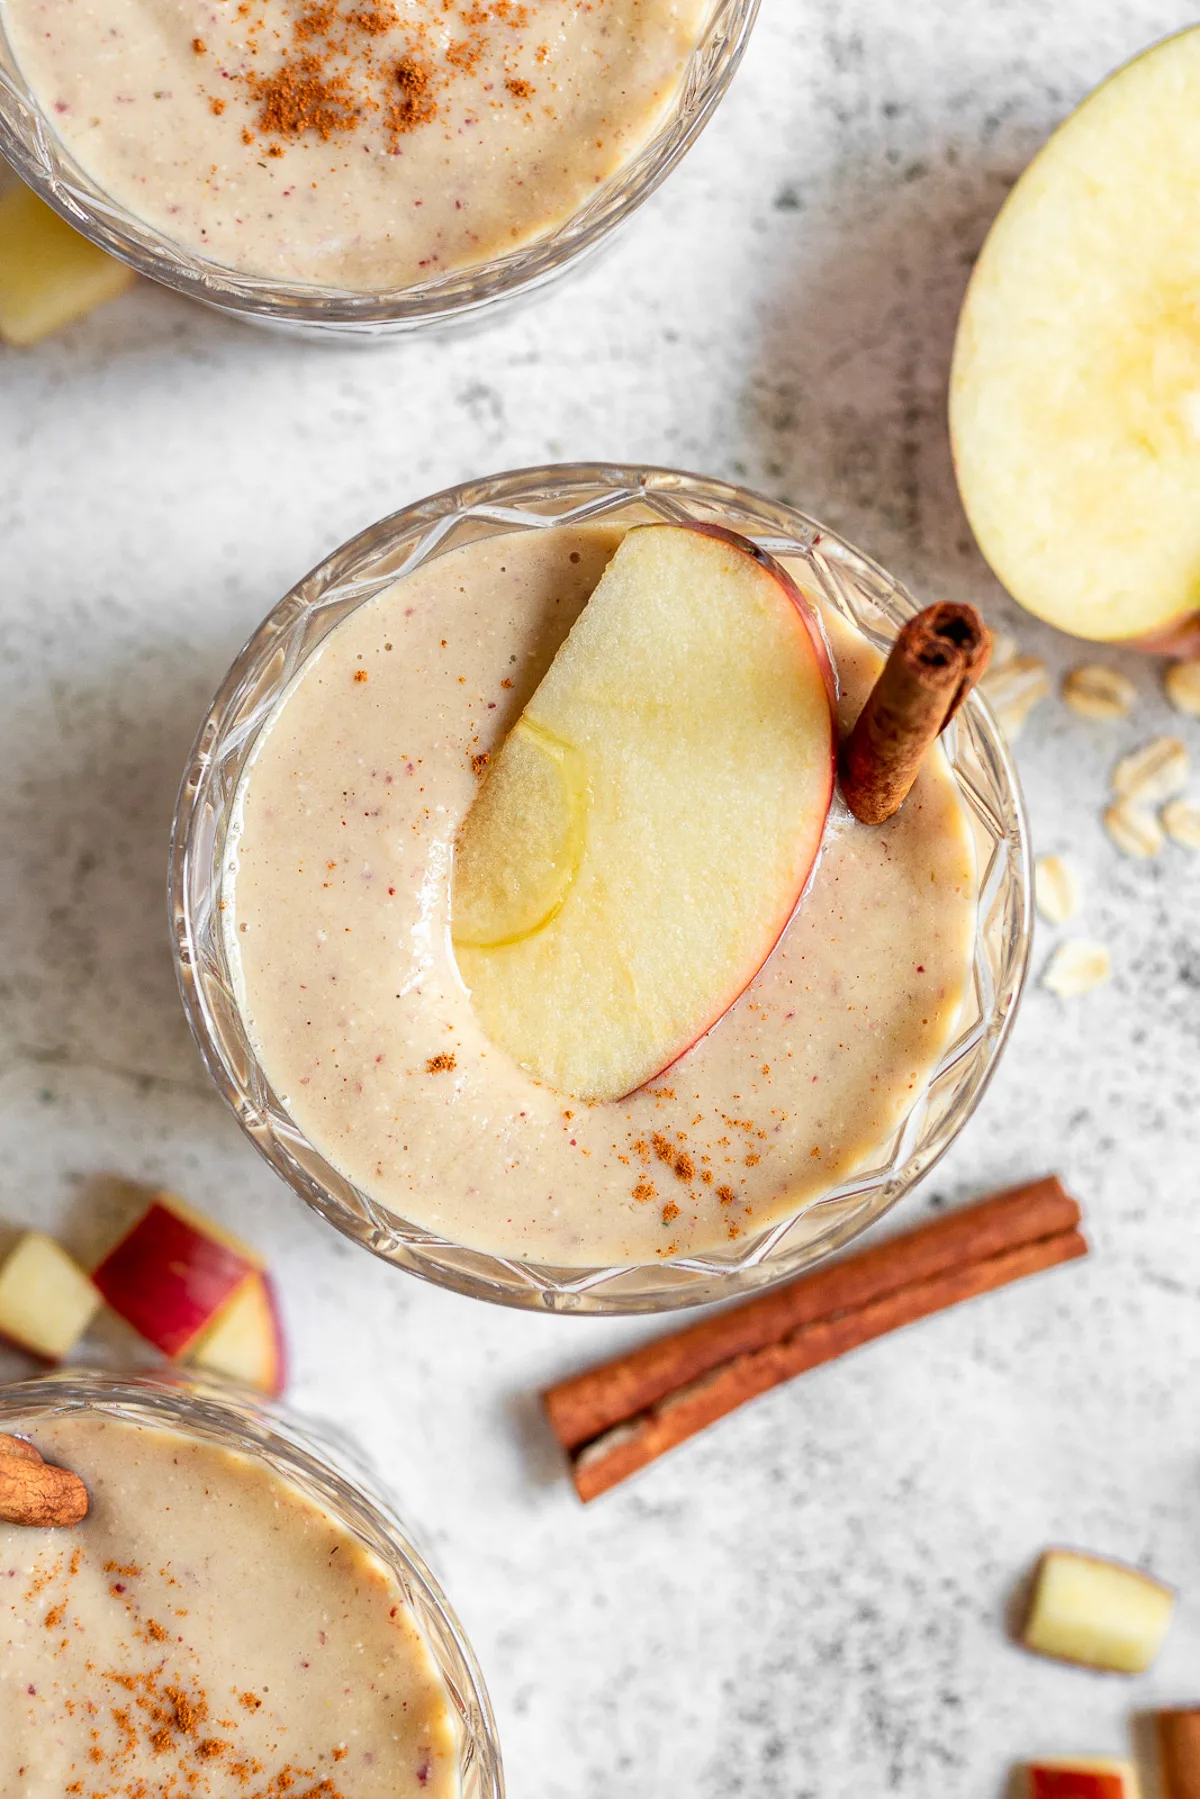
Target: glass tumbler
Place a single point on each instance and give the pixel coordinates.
(532, 500)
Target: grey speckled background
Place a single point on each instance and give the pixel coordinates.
(810, 1601)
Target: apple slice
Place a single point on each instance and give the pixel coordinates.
(1075, 389)
(646, 830)
(173, 1272)
(1081, 1780)
(46, 1300)
(49, 274)
(1098, 1613)
(245, 1340)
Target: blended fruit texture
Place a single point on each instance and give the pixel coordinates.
(338, 922)
(207, 1632)
(356, 144)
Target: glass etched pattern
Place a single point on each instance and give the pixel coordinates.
(532, 500)
(28, 141)
(328, 1470)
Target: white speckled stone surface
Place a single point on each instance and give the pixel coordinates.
(809, 1603)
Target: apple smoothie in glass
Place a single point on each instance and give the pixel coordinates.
(361, 145)
(546, 924)
(229, 1617)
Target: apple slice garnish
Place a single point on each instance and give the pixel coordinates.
(644, 833)
(49, 274)
(172, 1273)
(1103, 1779)
(46, 1300)
(245, 1341)
(1075, 389)
(1098, 1613)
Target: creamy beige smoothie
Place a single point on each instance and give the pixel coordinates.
(338, 926)
(207, 1632)
(361, 144)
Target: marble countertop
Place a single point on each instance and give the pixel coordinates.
(809, 1602)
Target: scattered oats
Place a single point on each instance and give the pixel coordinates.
(1182, 682)
(1014, 689)
(1135, 833)
(1076, 967)
(1056, 889)
(1181, 822)
(1094, 691)
(1155, 772)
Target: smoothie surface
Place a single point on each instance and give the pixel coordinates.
(207, 1632)
(355, 144)
(337, 919)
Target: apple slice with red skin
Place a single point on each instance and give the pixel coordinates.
(245, 1340)
(172, 1273)
(1081, 1780)
(683, 744)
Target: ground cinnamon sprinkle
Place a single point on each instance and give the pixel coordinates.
(442, 1064)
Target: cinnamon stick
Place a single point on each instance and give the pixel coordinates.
(934, 663)
(1179, 1753)
(19, 1447)
(619, 1418)
(34, 1492)
(583, 1406)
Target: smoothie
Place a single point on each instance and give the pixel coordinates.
(357, 144)
(207, 1631)
(337, 914)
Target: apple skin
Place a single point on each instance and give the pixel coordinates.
(1079, 1780)
(171, 1274)
(1181, 639)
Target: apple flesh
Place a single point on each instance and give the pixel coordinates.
(46, 1300)
(647, 828)
(172, 1273)
(1075, 388)
(245, 1341)
(1097, 1613)
(49, 274)
(1081, 1780)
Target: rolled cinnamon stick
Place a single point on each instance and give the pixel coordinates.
(1179, 1752)
(934, 663)
(582, 1407)
(620, 1452)
(36, 1493)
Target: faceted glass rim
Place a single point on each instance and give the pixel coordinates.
(325, 1466)
(531, 499)
(29, 143)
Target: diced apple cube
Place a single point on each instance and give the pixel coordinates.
(172, 1274)
(245, 1339)
(49, 274)
(1098, 1613)
(46, 1300)
(1081, 1780)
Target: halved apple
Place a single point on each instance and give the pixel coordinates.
(245, 1340)
(46, 1300)
(646, 830)
(49, 274)
(1075, 389)
(1098, 1613)
(172, 1273)
(1081, 1780)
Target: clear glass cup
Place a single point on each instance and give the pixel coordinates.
(29, 143)
(532, 499)
(325, 1468)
